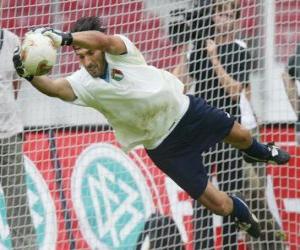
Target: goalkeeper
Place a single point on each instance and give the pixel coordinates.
(146, 106)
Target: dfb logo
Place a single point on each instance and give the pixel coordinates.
(110, 197)
(41, 208)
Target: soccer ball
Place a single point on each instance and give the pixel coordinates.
(38, 54)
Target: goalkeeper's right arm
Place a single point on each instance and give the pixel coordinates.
(59, 88)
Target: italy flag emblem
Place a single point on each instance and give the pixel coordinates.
(117, 74)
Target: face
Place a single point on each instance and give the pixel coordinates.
(225, 19)
(92, 60)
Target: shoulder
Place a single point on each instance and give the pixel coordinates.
(123, 38)
(128, 43)
(8, 35)
(10, 41)
(133, 56)
(241, 48)
(240, 43)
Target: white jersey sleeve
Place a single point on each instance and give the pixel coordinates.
(132, 57)
(77, 81)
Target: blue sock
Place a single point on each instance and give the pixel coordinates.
(257, 150)
(241, 210)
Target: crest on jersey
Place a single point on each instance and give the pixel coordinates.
(117, 74)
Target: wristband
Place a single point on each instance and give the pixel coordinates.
(67, 39)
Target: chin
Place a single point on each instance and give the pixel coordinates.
(95, 75)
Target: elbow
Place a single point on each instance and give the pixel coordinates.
(105, 43)
(235, 92)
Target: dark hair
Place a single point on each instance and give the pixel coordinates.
(219, 5)
(89, 23)
(198, 24)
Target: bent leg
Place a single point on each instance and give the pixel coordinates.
(216, 201)
(222, 204)
(240, 138)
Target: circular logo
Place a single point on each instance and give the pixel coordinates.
(110, 196)
(41, 208)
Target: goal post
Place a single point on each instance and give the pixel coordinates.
(84, 192)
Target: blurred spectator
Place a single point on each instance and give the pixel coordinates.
(160, 232)
(291, 79)
(254, 177)
(13, 181)
(220, 65)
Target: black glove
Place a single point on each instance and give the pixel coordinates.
(19, 66)
(58, 37)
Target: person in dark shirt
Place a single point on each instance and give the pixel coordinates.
(221, 72)
(219, 65)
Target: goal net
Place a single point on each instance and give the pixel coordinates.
(83, 192)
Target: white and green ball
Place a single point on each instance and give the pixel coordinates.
(38, 54)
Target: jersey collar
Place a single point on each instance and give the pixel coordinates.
(105, 76)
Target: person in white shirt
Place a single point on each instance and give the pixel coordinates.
(11, 157)
(146, 106)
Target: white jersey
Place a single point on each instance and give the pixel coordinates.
(10, 122)
(142, 103)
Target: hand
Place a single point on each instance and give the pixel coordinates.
(19, 66)
(58, 37)
(211, 48)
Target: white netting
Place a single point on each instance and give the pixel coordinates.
(85, 193)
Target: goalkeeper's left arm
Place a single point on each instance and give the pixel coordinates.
(93, 40)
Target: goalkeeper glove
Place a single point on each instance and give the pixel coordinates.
(19, 66)
(58, 37)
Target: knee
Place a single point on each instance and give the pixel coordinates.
(239, 137)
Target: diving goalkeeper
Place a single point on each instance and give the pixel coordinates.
(146, 106)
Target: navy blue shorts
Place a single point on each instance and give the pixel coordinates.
(180, 154)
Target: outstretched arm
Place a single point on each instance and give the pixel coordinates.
(181, 70)
(93, 40)
(96, 40)
(59, 88)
